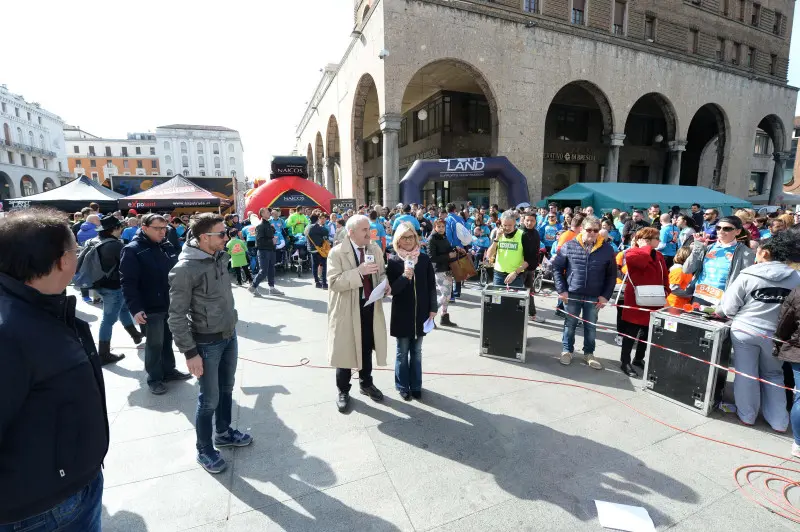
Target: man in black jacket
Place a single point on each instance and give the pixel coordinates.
(51, 381)
(144, 267)
(630, 228)
(531, 242)
(318, 234)
(265, 247)
(109, 249)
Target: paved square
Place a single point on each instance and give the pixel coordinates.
(476, 453)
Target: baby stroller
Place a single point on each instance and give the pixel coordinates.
(543, 273)
(299, 257)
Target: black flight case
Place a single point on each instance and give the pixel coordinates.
(680, 379)
(504, 322)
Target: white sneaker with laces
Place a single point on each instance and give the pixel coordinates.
(566, 358)
(592, 362)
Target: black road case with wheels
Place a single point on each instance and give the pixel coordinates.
(504, 322)
(680, 379)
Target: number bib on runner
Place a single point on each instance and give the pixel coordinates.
(709, 293)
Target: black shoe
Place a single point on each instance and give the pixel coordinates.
(374, 393)
(342, 400)
(136, 336)
(406, 396)
(110, 358)
(638, 363)
(176, 375)
(416, 395)
(319, 285)
(628, 370)
(157, 388)
(324, 287)
(445, 321)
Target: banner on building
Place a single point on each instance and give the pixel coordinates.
(343, 205)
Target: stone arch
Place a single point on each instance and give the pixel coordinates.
(48, 184)
(651, 129)
(363, 105)
(773, 126)
(332, 138)
(774, 181)
(28, 186)
(319, 155)
(6, 187)
(600, 98)
(706, 140)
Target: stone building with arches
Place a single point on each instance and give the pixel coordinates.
(33, 158)
(667, 91)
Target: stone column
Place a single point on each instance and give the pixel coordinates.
(776, 185)
(676, 149)
(615, 140)
(329, 172)
(318, 169)
(390, 126)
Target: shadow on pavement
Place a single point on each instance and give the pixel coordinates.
(261, 332)
(295, 474)
(528, 460)
(123, 521)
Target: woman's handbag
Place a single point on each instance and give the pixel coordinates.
(462, 267)
(650, 295)
(324, 249)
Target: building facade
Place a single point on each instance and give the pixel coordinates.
(102, 158)
(32, 154)
(655, 91)
(193, 150)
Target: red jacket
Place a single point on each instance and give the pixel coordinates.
(643, 269)
(755, 235)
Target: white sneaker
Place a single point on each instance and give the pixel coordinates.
(538, 319)
(566, 358)
(795, 450)
(252, 289)
(274, 291)
(592, 362)
(618, 340)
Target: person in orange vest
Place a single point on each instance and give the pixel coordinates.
(678, 281)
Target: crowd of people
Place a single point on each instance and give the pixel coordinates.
(169, 279)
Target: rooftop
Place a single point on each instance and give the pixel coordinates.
(196, 127)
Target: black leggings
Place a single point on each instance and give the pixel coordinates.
(636, 331)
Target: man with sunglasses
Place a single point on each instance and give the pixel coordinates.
(203, 319)
(144, 266)
(710, 224)
(716, 264)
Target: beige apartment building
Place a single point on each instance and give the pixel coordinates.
(654, 91)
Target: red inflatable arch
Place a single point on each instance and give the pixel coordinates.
(288, 192)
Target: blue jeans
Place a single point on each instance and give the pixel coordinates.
(500, 280)
(159, 358)
(114, 308)
(589, 313)
(216, 389)
(795, 413)
(266, 268)
(80, 512)
(408, 365)
(317, 260)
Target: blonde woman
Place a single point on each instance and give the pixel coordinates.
(748, 224)
(412, 279)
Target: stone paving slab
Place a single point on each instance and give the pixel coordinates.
(485, 453)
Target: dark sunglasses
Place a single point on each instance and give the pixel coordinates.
(221, 234)
(725, 228)
(592, 230)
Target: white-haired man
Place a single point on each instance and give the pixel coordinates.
(355, 268)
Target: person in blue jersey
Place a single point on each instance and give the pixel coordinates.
(717, 264)
(614, 236)
(669, 236)
(452, 222)
(549, 231)
(277, 222)
(249, 235)
(377, 233)
(480, 243)
(130, 231)
(406, 217)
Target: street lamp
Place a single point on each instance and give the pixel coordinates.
(422, 114)
(375, 139)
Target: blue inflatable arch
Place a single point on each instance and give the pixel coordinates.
(500, 168)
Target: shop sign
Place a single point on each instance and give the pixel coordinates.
(463, 168)
(432, 153)
(343, 205)
(570, 156)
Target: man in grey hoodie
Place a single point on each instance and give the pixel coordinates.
(754, 301)
(203, 319)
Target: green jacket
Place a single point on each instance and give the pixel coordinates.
(201, 308)
(297, 223)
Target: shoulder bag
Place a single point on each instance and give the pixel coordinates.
(650, 295)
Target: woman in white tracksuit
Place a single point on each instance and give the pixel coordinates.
(754, 301)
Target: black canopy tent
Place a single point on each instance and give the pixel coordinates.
(176, 193)
(71, 197)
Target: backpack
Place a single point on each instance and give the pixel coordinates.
(89, 269)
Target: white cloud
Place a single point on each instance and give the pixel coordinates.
(113, 67)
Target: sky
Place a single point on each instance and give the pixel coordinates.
(251, 65)
(117, 67)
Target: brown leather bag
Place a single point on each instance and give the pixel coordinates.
(324, 249)
(462, 268)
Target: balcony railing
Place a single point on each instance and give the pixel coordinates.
(33, 149)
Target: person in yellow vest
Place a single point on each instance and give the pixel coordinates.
(507, 252)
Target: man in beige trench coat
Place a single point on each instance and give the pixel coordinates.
(355, 268)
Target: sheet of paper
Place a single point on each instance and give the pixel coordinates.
(428, 326)
(377, 293)
(624, 517)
